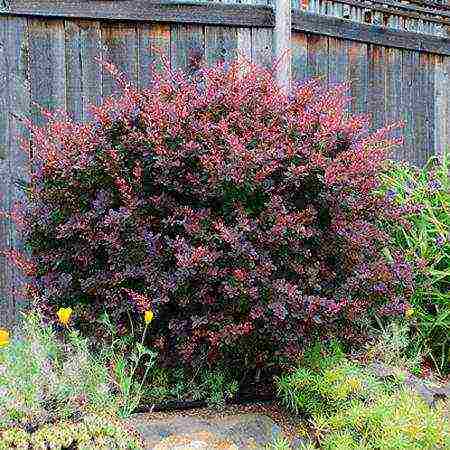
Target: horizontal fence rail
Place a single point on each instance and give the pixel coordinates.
(378, 28)
(48, 52)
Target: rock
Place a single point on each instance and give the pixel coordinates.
(430, 392)
(237, 432)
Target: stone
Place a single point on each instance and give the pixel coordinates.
(235, 432)
(430, 392)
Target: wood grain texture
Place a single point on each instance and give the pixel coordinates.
(244, 43)
(144, 10)
(338, 63)
(393, 93)
(282, 43)
(232, 15)
(441, 126)
(5, 297)
(91, 71)
(430, 120)
(83, 70)
(419, 105)
(187, 47)
(154, 50)
(262, 47)
(376, 82)
(358, 77)
(74, 70)
(47, 65)
(221, 44)
(409, 60)
(317, 57)
(299, 46)
(16, 161)
(336, 27)
(120, 47)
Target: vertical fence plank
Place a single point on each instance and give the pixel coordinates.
(120, 47)
(358, 76)
(5, 298)
(47, 65)
(91, 71)
(16, 161)
(220, 44)
(393, 98)
(299, 56)
(83, 69)
(430, 100)
(318, 57)
(338, 63)
(187, 47)
(154, 50)
(262, 47)
(441, 113)
(74, 70)
(409, 60)
(419, 102)
(377, 83)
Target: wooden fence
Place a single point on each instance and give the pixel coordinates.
(394, 56)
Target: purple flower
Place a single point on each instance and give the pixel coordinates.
(279, 310)
(380, 288)
(391, 194)
(434, 185)
(440, 240)
(151, 241)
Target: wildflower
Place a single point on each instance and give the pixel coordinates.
(64, 315)
(391, 194)
(434, 185)
(440, 241)
(409, 313)
(148, 316)
(4, 337)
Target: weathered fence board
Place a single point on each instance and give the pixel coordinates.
(120, 47)
(14, 56)
(154, 49)
(393, 75)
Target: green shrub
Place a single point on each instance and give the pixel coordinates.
(426, 242)
(43, 379)
(92, 432)
(245, 219)
(326, 379)
(349, 408)
(391, 422)
(56, 393)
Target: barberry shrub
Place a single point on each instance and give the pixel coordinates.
(245, 218)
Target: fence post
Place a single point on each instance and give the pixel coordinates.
(282, 40)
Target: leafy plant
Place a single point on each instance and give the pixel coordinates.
(90, 432)
(326, 379)
(394, 347)
(244, 218)
(425, 241)
(279, 443)
(44, 380)
(349, 408)
(217, 389)
(403, 421)
(127, 361)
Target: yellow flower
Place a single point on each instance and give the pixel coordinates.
(409, 313)
(4, 337)
(148, 316)
(64, 315)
